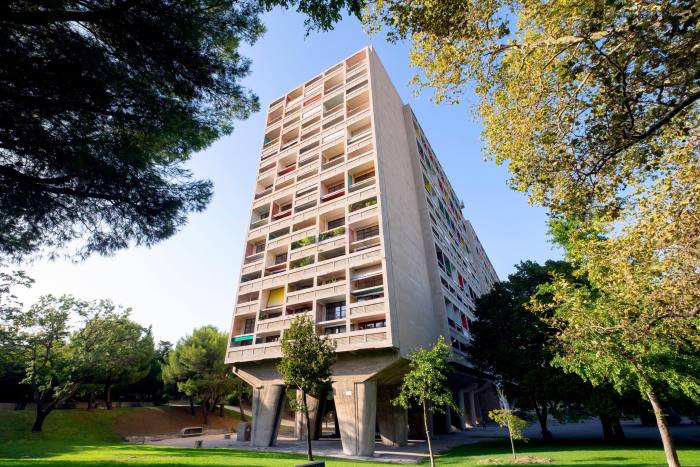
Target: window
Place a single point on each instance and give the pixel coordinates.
(306, 191)
(281, 258)
(336, 187)
(335, 310)
(336, 223)
(286, 207)
(334, 330)
(249, 326)
(367, 232)
(259, 247)
(364, 176)
(380, 323)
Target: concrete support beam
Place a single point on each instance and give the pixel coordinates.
(315, 408)
(471, 406)
(267, 411)
(462, 410)
(392, 420)
(356, 408)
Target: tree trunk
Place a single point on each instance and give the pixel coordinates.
(427, 435)
(240, 408)
(221, 409)
(617, 430)
(305, 410)
(39, 420)
(669, 448)
(606, 424)
(192, 406)
(205, 412)
(91, 400)
(541, 412)
(512, 443)
(108, 397)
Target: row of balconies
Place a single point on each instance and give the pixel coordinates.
(303, 177)
(321, 121)
(325, 84)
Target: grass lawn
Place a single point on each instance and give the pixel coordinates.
(82, 438)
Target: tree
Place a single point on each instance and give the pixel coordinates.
(197, 365)
(122, 355)
(425, 385)
(581, 100)
(55, 339)
(507, 418)
(511, 343)
(239, 391)
(634, 321)
(306, 364)
(594, 108)
(105, 100)
(151, 387)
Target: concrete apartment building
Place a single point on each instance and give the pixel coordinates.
(355, 223)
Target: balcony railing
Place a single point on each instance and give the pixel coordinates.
(263, 193)
(275, 269)
(331, 233)
(288, 169)
(333, 195)
(282, 214)
(333, 162)
(360, 135)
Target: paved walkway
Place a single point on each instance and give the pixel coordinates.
(416, 450)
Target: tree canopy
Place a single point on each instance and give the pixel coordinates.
(104, 100)
(425, 385)
(196, 365)
(306, 364)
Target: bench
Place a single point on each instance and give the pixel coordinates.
(191, 431)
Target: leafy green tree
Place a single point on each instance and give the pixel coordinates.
(55, 339)
(594, 108)
(103, 103)
(196, 365)
(151, 386)
(633, 322)
(239, 392)
(306, 364)
(508, 419)
(122, 355)
(425, 384)
(510, 342)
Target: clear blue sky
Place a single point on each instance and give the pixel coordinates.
(190, 280)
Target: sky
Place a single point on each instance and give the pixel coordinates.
(190, 280)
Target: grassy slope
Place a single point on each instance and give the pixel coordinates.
(82, 438)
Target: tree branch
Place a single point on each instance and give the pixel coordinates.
(42, 17)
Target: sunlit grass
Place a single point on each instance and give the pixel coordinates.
(82, 438)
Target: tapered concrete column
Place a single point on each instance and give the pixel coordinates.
(471, 404)
(356, 409)
(267, 411)
(392, 420)
(462, 410)
(314, 417)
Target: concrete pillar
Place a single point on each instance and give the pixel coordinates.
(268, 401)
(356, 408)
(462, 410)
(315, 415)
(471, 405)
(392, 420)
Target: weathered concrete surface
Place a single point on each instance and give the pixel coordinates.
(356, 407)
(392, 420)
(267, 410)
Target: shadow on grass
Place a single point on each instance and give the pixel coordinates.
(580, 453)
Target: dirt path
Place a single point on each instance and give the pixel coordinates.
(150, 421)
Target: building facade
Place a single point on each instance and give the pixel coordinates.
(355, 223)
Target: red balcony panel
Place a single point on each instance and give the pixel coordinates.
(334, 195)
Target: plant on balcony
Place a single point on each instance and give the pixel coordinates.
(306, 241)
(363, 204)
(331, 233)
(301, 262)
